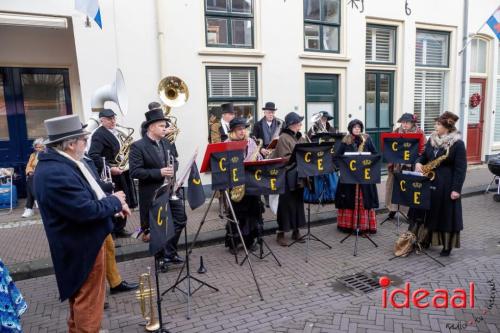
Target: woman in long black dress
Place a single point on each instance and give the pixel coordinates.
(443, 222)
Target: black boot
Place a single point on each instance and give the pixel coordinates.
(445, 253)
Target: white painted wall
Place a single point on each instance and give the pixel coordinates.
(129, 41)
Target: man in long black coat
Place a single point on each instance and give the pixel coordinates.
(105, 144)
(148, 163)
(268, 128)
(77, 217)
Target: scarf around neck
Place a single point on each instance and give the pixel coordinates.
(445, 141)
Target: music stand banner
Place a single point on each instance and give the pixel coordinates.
(227, 169)
(360, 169)
(400, 148)
(160, 221)
(411, 191)
(265, 179)
(314, 159)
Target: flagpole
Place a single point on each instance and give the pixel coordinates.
(470, 38)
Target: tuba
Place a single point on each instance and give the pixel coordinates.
(114, 92)
(145, 296)
(173, 92)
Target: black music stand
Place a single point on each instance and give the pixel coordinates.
(213, 148)
(260, 227)
(411, 136)
(356, 232)
(308, 236)
(188, 275)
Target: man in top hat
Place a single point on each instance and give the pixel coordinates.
(149, 164)
(322, 125)
(77, 217)
(105, 143)
(268, 128)
(219, 131)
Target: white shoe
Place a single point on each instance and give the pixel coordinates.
(28, 212)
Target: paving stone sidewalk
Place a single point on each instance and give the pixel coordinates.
(307, 297)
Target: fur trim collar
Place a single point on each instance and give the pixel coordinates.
(297, 135)
(445, 141)
(349, 138)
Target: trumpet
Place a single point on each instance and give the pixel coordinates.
(145, 296)
(170, 181)
(106, 172)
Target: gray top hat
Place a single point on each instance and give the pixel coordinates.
(64, 127)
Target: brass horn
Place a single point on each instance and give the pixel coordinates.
(173, 92)
(145, 296)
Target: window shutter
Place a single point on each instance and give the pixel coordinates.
(497, 115)
(431, 49)
(380, 44)
(224, 82)
(429, 91)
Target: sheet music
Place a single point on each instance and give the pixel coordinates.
(351, 153)
(412, 173)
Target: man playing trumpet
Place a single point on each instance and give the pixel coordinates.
(150, 163)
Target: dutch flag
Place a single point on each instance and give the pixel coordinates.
(91, 9)
(494, 22)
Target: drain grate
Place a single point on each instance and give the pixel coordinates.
(359, 282)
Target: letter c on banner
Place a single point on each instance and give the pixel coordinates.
(159, 221)
(307, 157)
(395, 146)
(402, 185)
(351, 165)
(258, 174)
(221, 161)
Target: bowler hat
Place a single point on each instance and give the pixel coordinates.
(227, 108)
(108, 113)
(326, 115)
(408, 117)
(270, 106)
(64, 127)
(238, 122)
(292, 118)
(153, 116)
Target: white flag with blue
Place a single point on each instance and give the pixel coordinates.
(494, 22)
(91, 9)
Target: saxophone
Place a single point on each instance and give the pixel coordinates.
(428, 169)
(238, 192)
(363, 143)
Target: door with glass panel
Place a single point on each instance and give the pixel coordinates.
(28, 96)
(322, 95)
(379, 101)
(475, 122)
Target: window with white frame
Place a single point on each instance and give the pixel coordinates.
(478, 56)
(380, 44)
(235, 84)
(496, 133)
(431, 74)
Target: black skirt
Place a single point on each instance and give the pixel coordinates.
(291, 214)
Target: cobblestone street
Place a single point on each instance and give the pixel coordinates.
(306, 297)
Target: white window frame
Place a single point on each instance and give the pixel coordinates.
(393, 43)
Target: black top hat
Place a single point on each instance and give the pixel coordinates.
(64, 127)
(353, 123)
(270, 106)
(238, 122)
(408, 117)
(292, 118)
(154, 116)
(326, 115)
(227, 108)
(107, 113)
